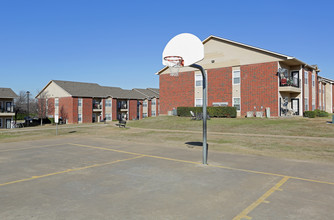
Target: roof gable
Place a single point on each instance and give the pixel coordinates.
(7, 93)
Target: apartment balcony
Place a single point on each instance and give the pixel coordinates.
(97, 107)
(290, 84)
(7, 112)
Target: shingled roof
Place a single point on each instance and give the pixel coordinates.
(148, 93)
(80, 89)
(7, 93)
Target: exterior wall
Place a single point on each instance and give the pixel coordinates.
(132, 109)
(176, 91)
(87, 110)
(226, 54)
(103, 108)
(66, 110)
(75, 111)
(54, 91)
(149, 108)
(114, 109)
(259, 87)
(51, 111)
(328, 98)
(219, 85)
(107, 109)
(3, 120)
(141, 109)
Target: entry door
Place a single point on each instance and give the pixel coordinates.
(8, 123)
(295, 105)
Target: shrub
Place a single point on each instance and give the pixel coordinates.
(323, 114)
(310, 114)
(226, 111)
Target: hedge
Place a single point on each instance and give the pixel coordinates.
(309, 114)
(315, 113)
(226, 111)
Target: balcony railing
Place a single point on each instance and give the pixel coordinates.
(6, 110)
(97, 106)
(289, 81)
(123, 107)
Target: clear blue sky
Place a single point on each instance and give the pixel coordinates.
(119, 43)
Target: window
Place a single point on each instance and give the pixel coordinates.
(313, 81)
(153, 101)
(145, 104)
(8, 106)
(319, 88)
(108, 117)
(56, 102)
(1, 108)
(236, 77)
(198, 80)
(79, 118)
(236, 103)
(306, 104)
(108, 103)
(0, 122)
(306, 77)
(144, 115)
(153, 113)
(79, 102)
(313, 104)
(198, 102)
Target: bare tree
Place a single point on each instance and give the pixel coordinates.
(43, 106)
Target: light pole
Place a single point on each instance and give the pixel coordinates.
(28, 104)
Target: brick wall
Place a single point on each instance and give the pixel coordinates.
(149, 108)
(103, 108)
(176, 91)
(303, 89)
(114, 109)
(87, 110)
(51, 106)
(66, 110)
(75, 111)
(132, 109)
(157, 107)
(259, 87)
(219, 85)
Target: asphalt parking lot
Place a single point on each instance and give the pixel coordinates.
(83, 178)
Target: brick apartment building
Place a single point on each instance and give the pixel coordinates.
(248, 78)
(77, 102)
(6, 107)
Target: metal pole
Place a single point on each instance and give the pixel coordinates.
(205, 145)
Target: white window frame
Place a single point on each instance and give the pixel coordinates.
(306, 104)
(145, 115)
(108, 117)
(313, 104)
(236, 75)
(153, 113)
(79, 102)
(198, 105)
(80, 118)
(306, 78)
(108, 103)
(145, 103)
(153, 102)
(233, 103)
(313, 80)
(56, 102)
(199, 79)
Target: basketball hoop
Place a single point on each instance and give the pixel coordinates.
(174, 63)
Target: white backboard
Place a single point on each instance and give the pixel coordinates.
(185, 45)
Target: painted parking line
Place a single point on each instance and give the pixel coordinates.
(262, 199)
(192, 162)
(67, 171)
(27, 148)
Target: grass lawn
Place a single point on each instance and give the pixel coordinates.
(293, 138)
